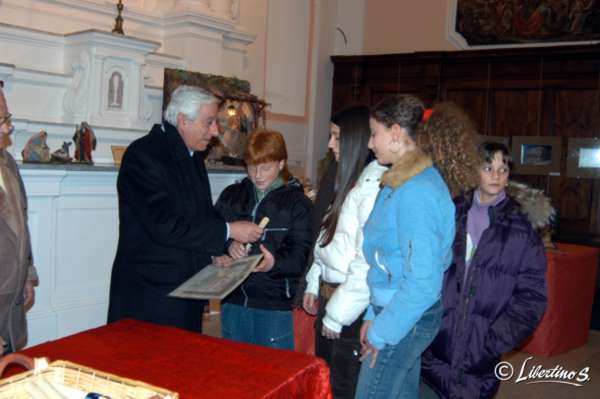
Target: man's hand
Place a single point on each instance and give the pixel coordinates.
(222, 261)
(309, 303)
(266, 263)
(330, 334)
(28, 295)
(244, 232)
(237, 250)
(3, 346)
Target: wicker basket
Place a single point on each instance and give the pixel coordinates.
(79, 377)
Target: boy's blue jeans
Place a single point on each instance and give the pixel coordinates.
(272, 328)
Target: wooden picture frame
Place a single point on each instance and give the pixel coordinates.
(536, 155)
(583, 158)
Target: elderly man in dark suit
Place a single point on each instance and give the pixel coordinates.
(168, 227)
(17, 274)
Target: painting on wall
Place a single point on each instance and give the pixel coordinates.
(240, 112)
(536, 155)
(495, 22)
(583, 159)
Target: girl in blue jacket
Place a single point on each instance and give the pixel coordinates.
(407, 243)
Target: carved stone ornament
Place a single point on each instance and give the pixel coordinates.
(75, 102)
(115, 91)
(145, 113)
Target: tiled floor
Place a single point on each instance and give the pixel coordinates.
(575, 360)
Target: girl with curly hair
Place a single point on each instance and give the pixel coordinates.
(408, 246)
(448, 137)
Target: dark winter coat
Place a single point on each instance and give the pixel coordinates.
(168, 230)
(498, 307)
(288, 236)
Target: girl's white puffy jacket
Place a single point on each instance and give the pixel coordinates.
(342, 260)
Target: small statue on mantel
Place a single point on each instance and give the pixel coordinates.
(62, 154)
(85, 142)
(36, 149)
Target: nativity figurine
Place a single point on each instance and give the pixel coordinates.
(85, 142)
(62, 154)
(36, 149)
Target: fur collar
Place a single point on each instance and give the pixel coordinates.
(410, 164)
(533, 202)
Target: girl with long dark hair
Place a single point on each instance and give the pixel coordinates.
(337, 275)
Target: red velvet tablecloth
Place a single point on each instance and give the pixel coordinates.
(571, 279)
(196, 366)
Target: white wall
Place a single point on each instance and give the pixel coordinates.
(393, 26)
(253, 16)
(287, 53)
(322, 82)
(307, 134)
(350, 21)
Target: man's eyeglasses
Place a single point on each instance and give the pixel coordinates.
(5, 119)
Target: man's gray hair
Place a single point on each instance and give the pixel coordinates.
(187, 100)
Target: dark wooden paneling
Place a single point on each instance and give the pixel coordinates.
(536, 91)
(474, 102)
(515, 113)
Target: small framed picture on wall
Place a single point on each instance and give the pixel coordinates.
(583, 159)
(536, 155)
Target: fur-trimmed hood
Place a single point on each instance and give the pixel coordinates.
(410, 164)
(533, 202)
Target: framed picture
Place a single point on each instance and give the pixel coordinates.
(480, 138)
(583, 159)
(522, 23)
(536, 155)
(240, 111)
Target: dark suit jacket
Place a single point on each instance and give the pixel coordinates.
(168, 230)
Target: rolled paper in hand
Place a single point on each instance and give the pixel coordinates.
(263, 223)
